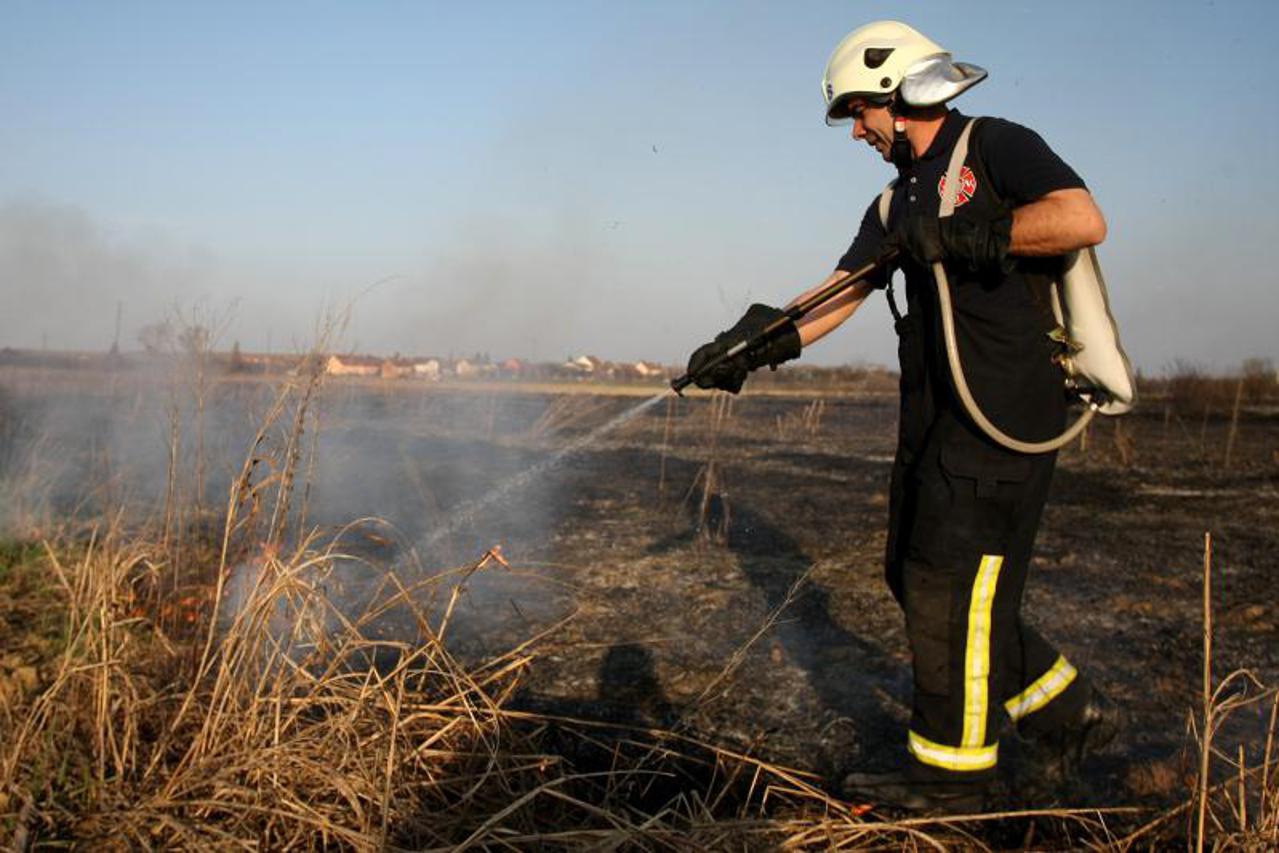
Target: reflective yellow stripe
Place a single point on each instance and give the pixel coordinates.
(977, 652)
(1044, 689)
(953, 757)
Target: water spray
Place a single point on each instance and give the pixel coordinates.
(465, 513)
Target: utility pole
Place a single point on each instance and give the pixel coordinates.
(119, 313)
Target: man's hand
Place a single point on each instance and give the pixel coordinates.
(730, 373)
(977, 245)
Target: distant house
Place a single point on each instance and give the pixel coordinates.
(584, 363)
(463, 368)
(393, 368)
(353, 365)
(635, 370)
(428, 369)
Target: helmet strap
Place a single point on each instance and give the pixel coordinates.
(900, 152)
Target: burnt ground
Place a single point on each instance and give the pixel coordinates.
(668, 590)
(668, 597)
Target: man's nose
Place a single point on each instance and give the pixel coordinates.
(859, 129)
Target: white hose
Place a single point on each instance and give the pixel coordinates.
(966, 396)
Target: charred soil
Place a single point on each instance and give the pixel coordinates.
(722, 564)
(705, 579)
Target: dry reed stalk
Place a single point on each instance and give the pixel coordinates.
(297, 389)
(736, 659)
(313, 456)
(174, 411)
(708, 476)
(807, 420)
(312, 371)
(1203, 429)
(198, 352)
(666, 444)
(1124, 445)
(1206, 747)
(1243, 798)
(813, 415)
(1240, 689)
(1270, 798)
(1234, 424)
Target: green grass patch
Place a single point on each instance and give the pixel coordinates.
(16, 554)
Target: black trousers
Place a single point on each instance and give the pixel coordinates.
(963, 514)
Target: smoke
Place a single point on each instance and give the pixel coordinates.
(494, 286)
(446, 474)
(62, 276)
(539, 285)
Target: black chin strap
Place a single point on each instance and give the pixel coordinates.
(900, 152)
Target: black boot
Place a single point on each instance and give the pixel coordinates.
(1060, 754)
(903, 791)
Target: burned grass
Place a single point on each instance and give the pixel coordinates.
(297, 733)
(684, 642)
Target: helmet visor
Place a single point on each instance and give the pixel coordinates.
(840, 109)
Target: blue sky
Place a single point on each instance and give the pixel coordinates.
(622, 179)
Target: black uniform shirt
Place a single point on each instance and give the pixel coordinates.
(1021, 166)
(1002, 321)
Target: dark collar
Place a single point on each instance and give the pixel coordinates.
(947, 136)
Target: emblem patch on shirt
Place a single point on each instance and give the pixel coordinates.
(967, 186)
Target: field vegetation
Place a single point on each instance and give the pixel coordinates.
(189, 668)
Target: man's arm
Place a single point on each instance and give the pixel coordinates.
(790, 341)
(821, 322)
(866, 247)
(1061, 221)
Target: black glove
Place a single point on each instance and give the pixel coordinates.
(975, 244)
(728, 375)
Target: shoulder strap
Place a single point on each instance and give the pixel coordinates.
(951, 338)
(885, 201)
(957, 158)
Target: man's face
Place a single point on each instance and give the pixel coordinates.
(874, 124)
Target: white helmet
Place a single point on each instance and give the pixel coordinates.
(878, 59)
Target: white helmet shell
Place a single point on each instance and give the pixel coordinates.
(878, 59)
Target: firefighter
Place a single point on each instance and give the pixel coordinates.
(963, 510)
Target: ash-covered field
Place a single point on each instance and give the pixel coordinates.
(715, 565)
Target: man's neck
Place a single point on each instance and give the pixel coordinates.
(921, 132)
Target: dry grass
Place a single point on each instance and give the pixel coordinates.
(244, 707)
(303, 730)
(287, 735)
